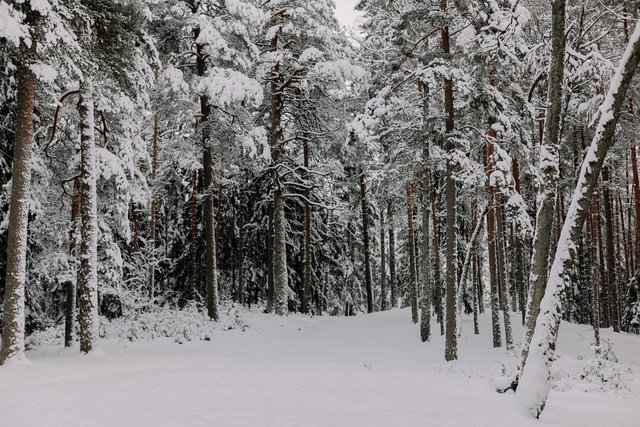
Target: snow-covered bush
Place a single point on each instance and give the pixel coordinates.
(188, 324)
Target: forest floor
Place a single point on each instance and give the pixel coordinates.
(369, 370)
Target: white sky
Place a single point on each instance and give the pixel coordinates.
(345, 13)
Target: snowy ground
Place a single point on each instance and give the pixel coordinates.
(297, 371)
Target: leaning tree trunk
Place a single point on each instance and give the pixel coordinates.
(88, 275)
(451, 341)
(365, 237)
(549, 177)
(14, 297)
(536, 376)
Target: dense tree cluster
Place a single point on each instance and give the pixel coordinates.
(452, 157)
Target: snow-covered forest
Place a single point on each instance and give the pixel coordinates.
(432, 212)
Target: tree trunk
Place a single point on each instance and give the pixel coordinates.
(72, 288)
(209, 218)
(437, 282)
(279, 256)
(549, 177)
(504, 293)
(16, 275)
(425, 317)
(535, 382)
(365, 237)
(194, 233)
(491, 245)
(519, 248)
(154, 210)
(306, 267)
(242, 206)
(476, 280)
(270, 286)
(413, 287)
(425, 320)
(280, 274)
(392, 257)
(88, 276)
(383, 272)
(612, 284)
(451, 341)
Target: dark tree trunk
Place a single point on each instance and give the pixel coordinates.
(451, 342)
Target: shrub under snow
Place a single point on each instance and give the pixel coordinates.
(190, 323)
